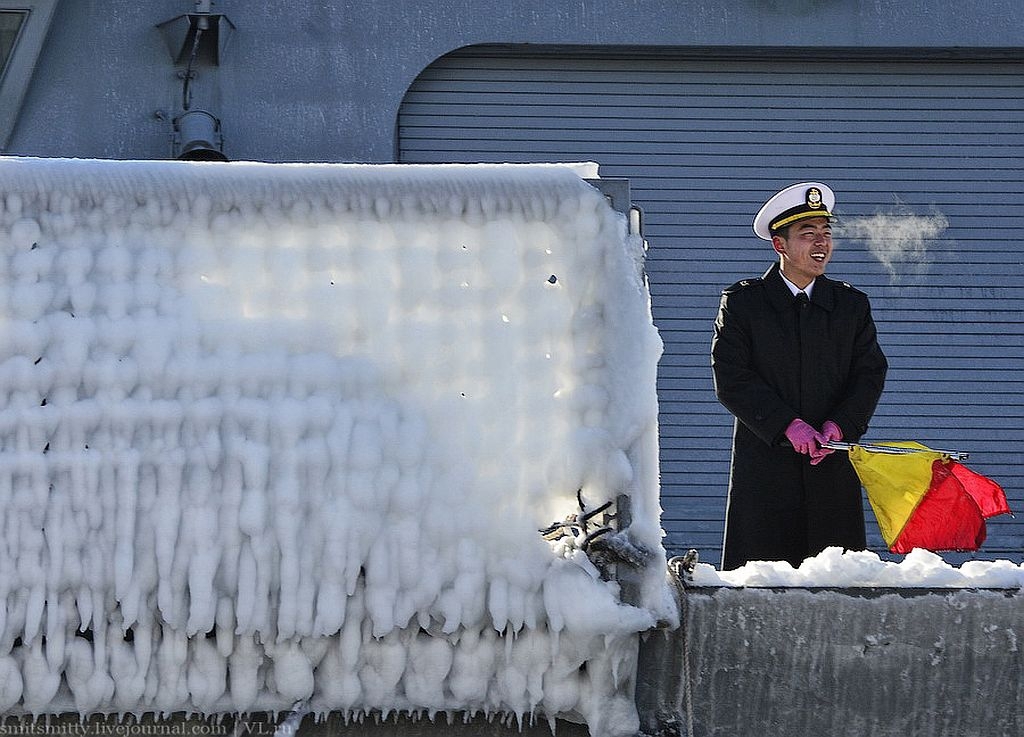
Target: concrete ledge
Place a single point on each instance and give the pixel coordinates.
(858, 662)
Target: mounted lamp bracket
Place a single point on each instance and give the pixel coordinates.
(179, 33)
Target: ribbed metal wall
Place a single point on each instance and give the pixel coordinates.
(905, 143)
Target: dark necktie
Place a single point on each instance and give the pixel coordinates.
(800, 302)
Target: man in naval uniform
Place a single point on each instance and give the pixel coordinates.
(796, 360)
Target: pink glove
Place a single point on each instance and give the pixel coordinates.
(804, 438)
(829, 431)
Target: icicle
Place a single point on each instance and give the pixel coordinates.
(252, 515)
(225, 626)
(171, 659)
(265, 578)
(245, 605)
(292, 674)
(34, 608)
(338, 675)
(90, 687)
(382, 667)
(126, 490)
(243, 671)
(11, 683)
(473, 666)
(380, 588)
(285, 489)
(497, 603)
(331, 600)
(83, 602)
(129, 679)
(317, 465)
(206, 676)
(428, 665)
(200, 528)
(229, 532)
(552, 606)
(337, 682)
(166, 530)
(40, 684)
(57, 610)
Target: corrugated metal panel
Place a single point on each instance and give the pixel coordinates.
(704, 142)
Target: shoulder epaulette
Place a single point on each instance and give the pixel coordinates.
(849, 286)
(743, 284)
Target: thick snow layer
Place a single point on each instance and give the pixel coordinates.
(287, 433)
(834, 568)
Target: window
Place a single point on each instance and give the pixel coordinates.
(10, 24)
(23, 27)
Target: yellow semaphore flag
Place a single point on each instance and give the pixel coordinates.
(926, 500)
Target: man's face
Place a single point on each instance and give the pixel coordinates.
(805, 250)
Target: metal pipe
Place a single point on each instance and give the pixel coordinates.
(956, 455)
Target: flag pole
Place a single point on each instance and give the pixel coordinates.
(956, 455)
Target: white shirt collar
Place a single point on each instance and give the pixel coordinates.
(795, 289)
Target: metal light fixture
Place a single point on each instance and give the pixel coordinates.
(197, 137)
(196, 39)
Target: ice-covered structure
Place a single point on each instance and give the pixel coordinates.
(279, 434)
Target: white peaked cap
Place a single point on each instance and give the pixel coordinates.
(795, 202)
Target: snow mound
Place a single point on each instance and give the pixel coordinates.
(834, 568)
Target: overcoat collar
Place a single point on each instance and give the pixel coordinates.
(823, 294)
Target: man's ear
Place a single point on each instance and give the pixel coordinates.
(779, 244)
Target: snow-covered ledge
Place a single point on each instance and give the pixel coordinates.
(279, 436)
(845, 645)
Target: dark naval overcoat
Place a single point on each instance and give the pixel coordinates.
(774, 361)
